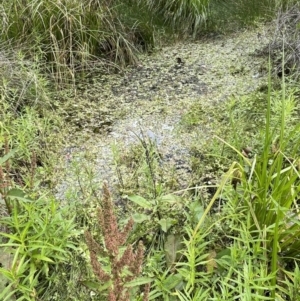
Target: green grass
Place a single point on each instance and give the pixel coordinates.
(231, 14)
(269, 189)
(71, 36)
(187, 17)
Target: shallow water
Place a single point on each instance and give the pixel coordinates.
(150, 100)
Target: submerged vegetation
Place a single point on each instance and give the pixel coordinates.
(231, 233)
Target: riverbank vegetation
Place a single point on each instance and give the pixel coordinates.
(233, 234)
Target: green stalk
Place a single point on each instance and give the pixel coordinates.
(225, 179)
(278, 211)
(264, 171)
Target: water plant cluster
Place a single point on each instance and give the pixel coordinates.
(234, 236)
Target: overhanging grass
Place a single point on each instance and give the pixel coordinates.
(71, 35)
(186, 16)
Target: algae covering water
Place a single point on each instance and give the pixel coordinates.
(172, 99)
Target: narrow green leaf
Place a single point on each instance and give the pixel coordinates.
(140, 201)
(93, 285)
(154, 294)
(42, 257)
(32, 272)
(6, 273)
(139, 281)
(8, 293)
(10, 236)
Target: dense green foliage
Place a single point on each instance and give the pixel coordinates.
(239, 242)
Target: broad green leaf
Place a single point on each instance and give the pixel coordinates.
(7, 156)
(18, 194)
(223, 253)
(171, 248)
(140, 201)
(172, 281)
(171, 198)
(139, 217)
(166, 223)
(196, 211)
(139, 281)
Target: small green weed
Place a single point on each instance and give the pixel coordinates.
(36, 238)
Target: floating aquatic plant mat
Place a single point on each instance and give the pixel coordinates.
(172, 100)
